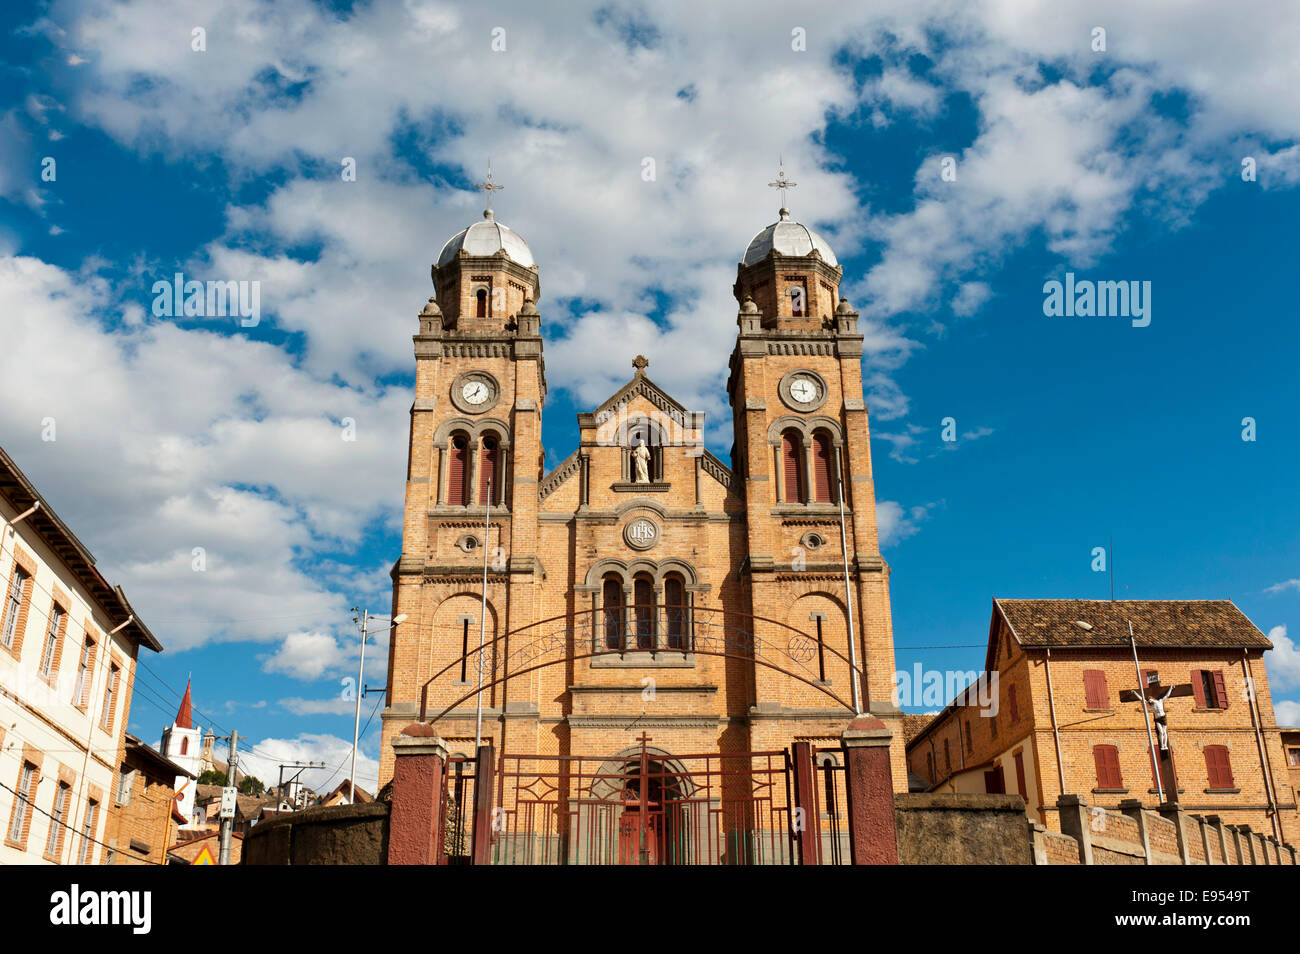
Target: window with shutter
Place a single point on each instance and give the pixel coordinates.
(1095, 689)
(613, 604)
(643, 595)
(1106, 758)
(791, 467)
(488, 492)
(480, 303)
(457, 454)
(675, 611)
(1012, 707)
(1020, 775)
(1217, 767)
(1220, 690)
(1198, 688)
(13, 605)
(822, 467)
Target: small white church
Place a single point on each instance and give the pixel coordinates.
(182, 743)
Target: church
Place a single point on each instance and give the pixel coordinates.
(644, 594)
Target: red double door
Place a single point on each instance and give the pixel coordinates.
(641, 834)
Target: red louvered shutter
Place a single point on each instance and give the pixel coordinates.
(822, 467)
(487, 472)
(1220, 690)
(1110, 756)
(1094, 688)
(1198, 688)
(1217, 766)
(1103, 767)
(456, 454)
(1011, 703)
(793, 472)
(1020, 775)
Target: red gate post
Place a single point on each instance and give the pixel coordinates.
(484, 769)
(415, 820)
(804, 819)
(873, 838)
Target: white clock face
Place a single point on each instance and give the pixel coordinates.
(475, 392)
(803, 390)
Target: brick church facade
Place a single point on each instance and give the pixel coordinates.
(661, 591)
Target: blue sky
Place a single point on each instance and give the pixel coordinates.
(1119, 164)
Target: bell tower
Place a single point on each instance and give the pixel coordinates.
(802, 447)
(474, 457)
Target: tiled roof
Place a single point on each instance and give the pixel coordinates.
(913, 725)
(1209, 624)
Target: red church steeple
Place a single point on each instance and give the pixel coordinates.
(184, 718)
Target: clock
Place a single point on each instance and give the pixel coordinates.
(475, 392)
(803, 390)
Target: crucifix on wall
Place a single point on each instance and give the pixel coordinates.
(1154, 694)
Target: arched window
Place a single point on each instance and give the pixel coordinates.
(488, 479)
(185, 744)
(792, 467)
(457, 461)
(675, 611)
(643, 596)
(822, 467)
(480, 303)
(612, 599)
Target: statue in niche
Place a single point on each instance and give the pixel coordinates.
(641, 462)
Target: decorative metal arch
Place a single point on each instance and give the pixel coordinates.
(709, 638)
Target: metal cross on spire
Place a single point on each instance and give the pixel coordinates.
(782, 182)
(488, 186)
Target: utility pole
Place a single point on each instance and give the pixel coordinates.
(356, 722)
(228, 824)
(482, 617)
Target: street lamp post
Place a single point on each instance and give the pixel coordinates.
(356, 722)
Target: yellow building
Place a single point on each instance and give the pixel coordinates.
(1046, 716)
(661, 590)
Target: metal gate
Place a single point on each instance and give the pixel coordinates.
(642, 806)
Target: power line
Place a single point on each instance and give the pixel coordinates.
(74, 831)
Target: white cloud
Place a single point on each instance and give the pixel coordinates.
(1287, 712)
(215, 443)
(1283, 661)
(970, 297)
(1283, 586)
(335, 706)
(896, 523)
(262, 759)
(233, 445)
(306, 655)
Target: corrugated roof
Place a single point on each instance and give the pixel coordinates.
(1208, 624)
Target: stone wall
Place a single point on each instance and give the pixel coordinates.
(1137, 835)
(337, 835)
(962, 830)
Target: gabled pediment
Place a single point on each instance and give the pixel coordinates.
(641, 386)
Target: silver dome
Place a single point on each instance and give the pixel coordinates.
(789, 238)
(485, 239)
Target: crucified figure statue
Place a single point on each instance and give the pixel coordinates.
(1157, 704)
